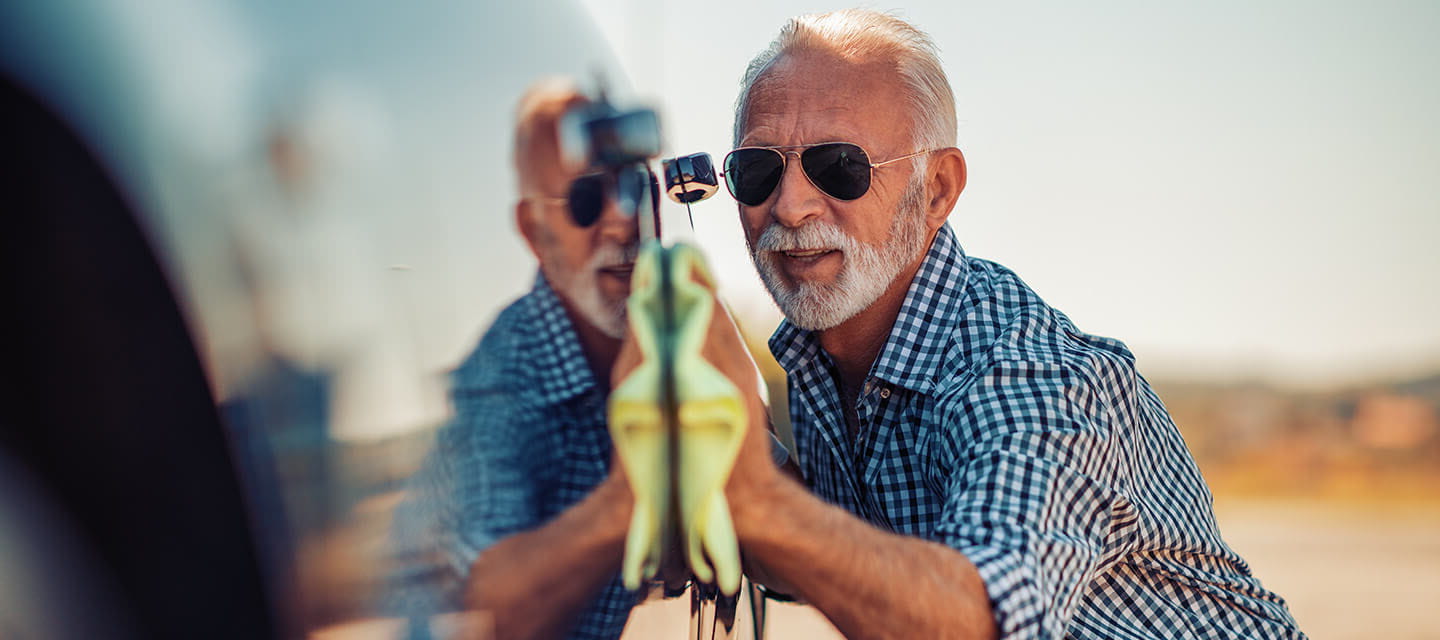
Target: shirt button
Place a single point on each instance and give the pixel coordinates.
(884, 393)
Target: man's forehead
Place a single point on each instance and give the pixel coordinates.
(546, 176)
(806, 98)
(803, 126)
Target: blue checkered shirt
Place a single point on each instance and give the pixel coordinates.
(528, 440)
(989, 423)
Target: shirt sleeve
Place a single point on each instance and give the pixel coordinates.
(1034, 491)
(476, 486)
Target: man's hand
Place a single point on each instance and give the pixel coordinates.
(725, 349)
(754, 475)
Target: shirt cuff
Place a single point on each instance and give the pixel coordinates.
(1014, 595)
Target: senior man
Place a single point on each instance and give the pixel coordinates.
(979, 466)
(519, 511)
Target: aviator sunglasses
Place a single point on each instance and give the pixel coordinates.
(586, 197)
(841, 170)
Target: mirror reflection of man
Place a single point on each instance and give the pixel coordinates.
(519, 507)
(976, 466)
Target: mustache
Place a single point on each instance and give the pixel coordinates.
(815, 235)
(613, 255)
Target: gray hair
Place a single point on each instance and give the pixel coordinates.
(862, 34)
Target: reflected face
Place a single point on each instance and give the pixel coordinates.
(588, 267)
(825, 260)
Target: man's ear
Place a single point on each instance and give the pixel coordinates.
(946, 181)
(527, 224)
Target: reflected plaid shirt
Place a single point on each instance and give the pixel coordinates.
(989, 423)
(528, 440)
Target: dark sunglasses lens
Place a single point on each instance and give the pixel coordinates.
(751, 175)
(840, 169)
(633, 191)
(587, 199)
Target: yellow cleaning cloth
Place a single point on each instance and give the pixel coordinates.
(637, 423)
(712, 419)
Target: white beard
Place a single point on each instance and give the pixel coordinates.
(582, 288)
(864, 276)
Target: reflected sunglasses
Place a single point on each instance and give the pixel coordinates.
(586, 197)
(841, 170)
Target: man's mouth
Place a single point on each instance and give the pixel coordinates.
(806, 254)
(619, 270)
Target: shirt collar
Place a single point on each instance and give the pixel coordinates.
(920, 336)
(552, 347)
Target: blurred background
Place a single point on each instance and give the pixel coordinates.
(1243, 194)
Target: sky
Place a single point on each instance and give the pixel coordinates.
(1235, 189)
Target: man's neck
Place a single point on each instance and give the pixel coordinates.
(600, 348)
(855, 344)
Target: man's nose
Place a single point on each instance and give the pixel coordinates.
(795, 200)
(616, 226)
